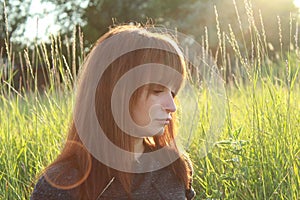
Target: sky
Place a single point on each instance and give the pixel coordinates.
(42, 24)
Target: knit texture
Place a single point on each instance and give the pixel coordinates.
(158, 185)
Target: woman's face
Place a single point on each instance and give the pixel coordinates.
(152, 109)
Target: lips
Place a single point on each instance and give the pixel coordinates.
(165, 121)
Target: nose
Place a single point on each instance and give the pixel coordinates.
(169, 104)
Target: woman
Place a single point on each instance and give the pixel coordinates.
(129, 80)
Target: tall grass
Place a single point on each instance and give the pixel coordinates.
(257, 155)
(35, 119)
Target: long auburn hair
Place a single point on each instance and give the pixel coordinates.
(91, 176)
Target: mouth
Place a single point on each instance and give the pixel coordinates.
(165, 121)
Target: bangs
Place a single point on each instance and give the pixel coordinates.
(161, 63)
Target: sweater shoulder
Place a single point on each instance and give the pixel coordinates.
(44, 190)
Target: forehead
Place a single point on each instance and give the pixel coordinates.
(166, 68)
(158, 77)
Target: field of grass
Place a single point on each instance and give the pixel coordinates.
(257, 155)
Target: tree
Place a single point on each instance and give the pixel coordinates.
(13, 18)
(189, 16)
(96, 16)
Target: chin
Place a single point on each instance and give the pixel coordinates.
(160, 132)
(152, 132)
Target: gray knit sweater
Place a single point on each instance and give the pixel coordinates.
(161, 184)
(158, 185)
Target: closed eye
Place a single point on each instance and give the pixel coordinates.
(158, 91)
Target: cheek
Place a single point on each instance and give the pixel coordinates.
(141, 117)
(149, 114)
(146, 109)
(140, 113)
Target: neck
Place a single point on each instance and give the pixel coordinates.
(138, 147)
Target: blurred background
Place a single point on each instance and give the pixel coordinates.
(30, 21)
(228, 27)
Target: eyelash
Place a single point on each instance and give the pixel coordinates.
(159, 91)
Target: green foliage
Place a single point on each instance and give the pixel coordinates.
(25, 122)
(189, 16)
(255, 157)
(13, 25)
